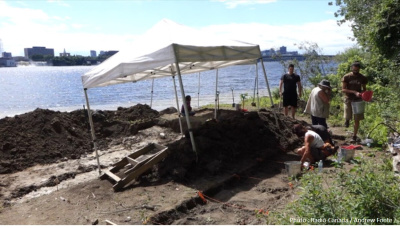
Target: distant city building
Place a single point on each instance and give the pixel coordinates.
(7, 62)
(281, 54)
(1, 48)
(110, 53)
(269, 52)
(93, 53)
(292, 53)
(6, 54)
(107, 53)
(282, 50)
(64, 54)
(29, 52)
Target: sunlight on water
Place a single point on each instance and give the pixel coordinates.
(24, 89)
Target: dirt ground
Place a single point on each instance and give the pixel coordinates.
(49, 175)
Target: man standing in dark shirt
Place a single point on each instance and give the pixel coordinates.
(289, 95)
(353, 84)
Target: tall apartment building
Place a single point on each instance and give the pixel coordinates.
(38, 51)
(283, 50)
(93, 53)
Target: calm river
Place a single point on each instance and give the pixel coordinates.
(24, 89)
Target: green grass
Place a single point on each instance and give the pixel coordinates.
(367, 194)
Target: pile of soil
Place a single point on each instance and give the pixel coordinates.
(45, 136)
(229, 143)
(225, 144)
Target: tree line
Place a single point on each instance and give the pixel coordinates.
(70, 60)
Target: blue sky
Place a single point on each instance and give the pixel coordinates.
(81, 26)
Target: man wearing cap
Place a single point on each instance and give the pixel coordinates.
(353, 84)
(318, 103)
(289, 95)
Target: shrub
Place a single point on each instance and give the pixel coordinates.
(366, 194)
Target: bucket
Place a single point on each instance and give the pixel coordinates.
(293, 168)
(238, 107)
(358, 107)
(346, 154)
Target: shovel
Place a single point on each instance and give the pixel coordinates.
(367, 95)
(233, 99)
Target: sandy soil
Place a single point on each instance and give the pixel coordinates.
(48, 170)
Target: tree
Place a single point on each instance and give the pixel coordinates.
(375, 24)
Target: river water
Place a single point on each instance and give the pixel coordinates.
(24, 89)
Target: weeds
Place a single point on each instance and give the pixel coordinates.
(366, 194)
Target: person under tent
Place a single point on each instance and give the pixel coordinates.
(188, 98)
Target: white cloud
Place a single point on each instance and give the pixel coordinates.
(327, 34)
(233, 3)
(22, 28)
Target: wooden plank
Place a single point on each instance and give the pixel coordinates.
(119, 165)
(143, 159)
(160, 147)
(132, 161)
(112, 175)
(154, 160)
(108, 222)
(142, 151)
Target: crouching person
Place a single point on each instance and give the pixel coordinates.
(314, 148)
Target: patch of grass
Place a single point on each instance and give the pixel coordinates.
(366, 194)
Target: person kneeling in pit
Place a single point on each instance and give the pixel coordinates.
(314, 148)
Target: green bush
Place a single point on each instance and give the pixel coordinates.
(366, 194)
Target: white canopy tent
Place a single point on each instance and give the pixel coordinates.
(169, 49)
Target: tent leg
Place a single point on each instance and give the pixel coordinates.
(177, 105)
(216, 94)
(186, 111)
(151, 99)
(92, 129)
(198, 94)
(269, 91)
(258, 98)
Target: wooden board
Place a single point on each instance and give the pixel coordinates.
(140, 160)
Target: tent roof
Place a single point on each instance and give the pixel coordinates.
(156, 52)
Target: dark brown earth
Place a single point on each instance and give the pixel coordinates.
(239, 159)
(45, 136)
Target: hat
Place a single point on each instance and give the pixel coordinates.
(356, 64)
(325, 83)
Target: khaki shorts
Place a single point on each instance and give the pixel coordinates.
(348, 112)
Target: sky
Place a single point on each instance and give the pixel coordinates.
(79, 26)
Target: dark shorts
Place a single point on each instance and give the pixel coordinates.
(290, 100)
(319, 121)
(317, 154)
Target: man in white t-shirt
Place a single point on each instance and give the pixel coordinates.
(314, 148)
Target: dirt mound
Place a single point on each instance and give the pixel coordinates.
(45, 136)
(225, 145)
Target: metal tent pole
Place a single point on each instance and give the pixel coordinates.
(198, 94)
(216, 94)
(258, 97)
(177, 101)
(152, 86)
(92, 129)
(269, 91)
(186, 110)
